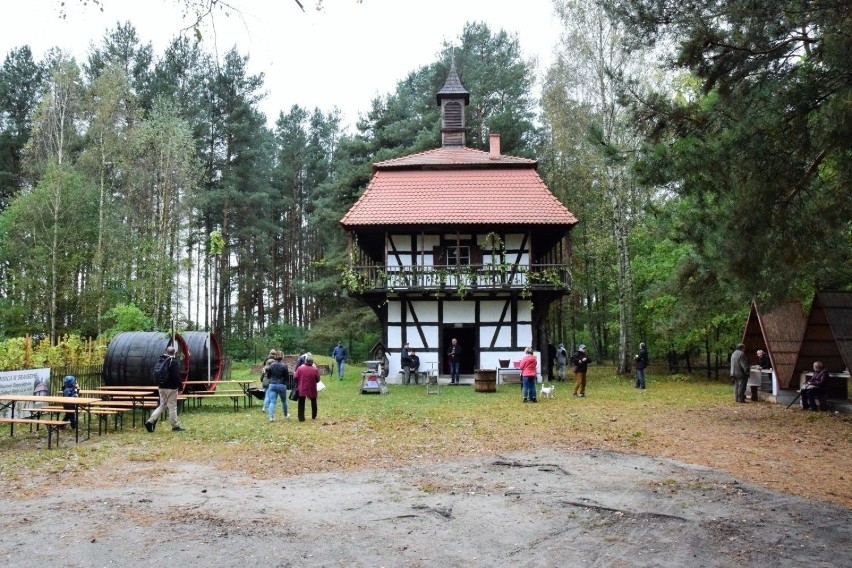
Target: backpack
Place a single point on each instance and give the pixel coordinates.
(161, 371)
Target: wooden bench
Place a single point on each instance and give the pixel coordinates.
(234, 396)
(53, 426)
(125, 405)
(420, 377)
(102, 414)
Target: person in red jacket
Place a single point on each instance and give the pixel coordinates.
(528, 374)
(307, 376)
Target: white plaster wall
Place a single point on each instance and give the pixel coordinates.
(401, 242)
(394, 310)
(428, 244)
(525, 335)
(524, 310)
(430, 333)
(459, 312)
(394, 339)
(425, 311)
(504, 336)
(513, 240)
(490, 310)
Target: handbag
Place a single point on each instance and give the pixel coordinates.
(320, 386)
(294, 393)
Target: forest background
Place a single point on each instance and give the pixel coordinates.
(705, 149)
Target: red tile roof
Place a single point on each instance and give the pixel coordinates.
(500, 194)
(452, 157)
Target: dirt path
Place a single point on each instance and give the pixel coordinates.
(547, 508)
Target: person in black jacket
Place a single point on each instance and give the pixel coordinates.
(279, 375)
(413, 367)
(581, 361)
(454, 354)
(168, 394)
(641, 363)
(763, 359)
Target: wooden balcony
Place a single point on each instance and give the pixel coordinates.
(458, 279)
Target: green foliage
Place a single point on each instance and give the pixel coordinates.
(126, 317)
(24, 353)
(289, 338)
(757, 145)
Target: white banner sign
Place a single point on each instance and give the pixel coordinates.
(28, 382)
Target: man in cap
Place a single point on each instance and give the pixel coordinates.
(581, 361)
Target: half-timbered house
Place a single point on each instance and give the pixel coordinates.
(459, 243)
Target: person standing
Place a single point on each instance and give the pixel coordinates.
(739, 372)
(528, 375)
(278, 374)
(264, 378)
(561, 362)
(641, 363)
(168, 392)
(812, 389)
(339, 356)
(404, 364)
(307, 376)
(581, 361)
(454, 353)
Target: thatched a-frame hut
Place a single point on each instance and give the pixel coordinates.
(779, 333)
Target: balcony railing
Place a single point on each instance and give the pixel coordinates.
(487, 277)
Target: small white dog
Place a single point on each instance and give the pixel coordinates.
(547, 392)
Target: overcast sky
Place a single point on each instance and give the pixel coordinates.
(344, 55)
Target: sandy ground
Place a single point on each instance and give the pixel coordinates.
(536, 509)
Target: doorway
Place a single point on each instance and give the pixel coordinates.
(468, 340)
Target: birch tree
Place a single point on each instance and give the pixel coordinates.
(595, 137)
(53, 134)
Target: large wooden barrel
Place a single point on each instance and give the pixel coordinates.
(485, 380)
(131, 356)
(197, 345)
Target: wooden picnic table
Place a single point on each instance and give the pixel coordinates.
(12, 400)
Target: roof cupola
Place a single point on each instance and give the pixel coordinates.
(452, 98)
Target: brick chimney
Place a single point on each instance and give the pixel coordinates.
(494, 146)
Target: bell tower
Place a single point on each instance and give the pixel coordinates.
(452, 98)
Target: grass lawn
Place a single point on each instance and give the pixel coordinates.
(686, 419)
